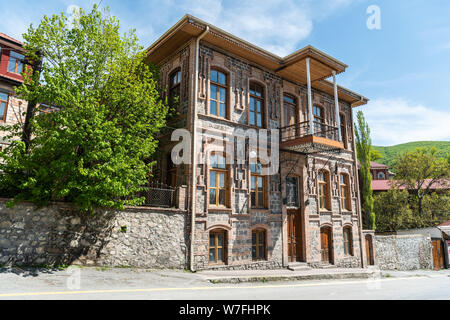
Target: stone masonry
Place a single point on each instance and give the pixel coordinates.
(60, 235)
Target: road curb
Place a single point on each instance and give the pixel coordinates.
(327, 276)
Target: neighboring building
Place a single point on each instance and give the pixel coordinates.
(445, 228)
(437, 238)
(308, 210)
(11, 65)
(380, 171)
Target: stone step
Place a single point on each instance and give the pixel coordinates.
(327, 266)
(298, 266)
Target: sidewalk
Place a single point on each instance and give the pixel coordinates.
(237, 276)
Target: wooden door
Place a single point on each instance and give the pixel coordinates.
(294, 235)
(438, 256)
(369, 250)
(325, 245)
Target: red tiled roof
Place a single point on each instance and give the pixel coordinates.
(384, 185)
(376, 165)
(5, 36)
(445, 224)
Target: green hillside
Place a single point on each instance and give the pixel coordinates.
(390, 153)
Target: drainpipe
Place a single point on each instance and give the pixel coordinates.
(361, 240)
(194, 148)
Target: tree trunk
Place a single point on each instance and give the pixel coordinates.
(31, 107)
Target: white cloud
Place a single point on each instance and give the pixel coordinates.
(275, 25)
(395, 121)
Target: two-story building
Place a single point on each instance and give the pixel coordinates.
(11, 67)
(305, 209)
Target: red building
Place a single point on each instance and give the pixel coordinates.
(11, 67)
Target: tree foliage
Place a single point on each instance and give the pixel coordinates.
(418, 204)
(419, 171)
(392, 210)
(363, 151)
(94, 150)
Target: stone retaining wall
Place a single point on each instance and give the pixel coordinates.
(404, 252)
(59, 235)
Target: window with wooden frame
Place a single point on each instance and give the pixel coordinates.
(348, 241)
(343, 130)
(256, 105)
(324, 190)
(218, 87)
(174, 89)
(15, 64)
(218, 181)
(258, 244)
(3, 105)
(319, 119)
(344, 188)
(217, 246)
(258, 186)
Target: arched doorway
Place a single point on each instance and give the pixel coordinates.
(326, 245)
(369, 250)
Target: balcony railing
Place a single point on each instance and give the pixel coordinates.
(297, 137)
(164, 196)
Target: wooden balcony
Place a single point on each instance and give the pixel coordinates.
(297, 137)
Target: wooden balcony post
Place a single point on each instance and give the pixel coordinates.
(308, 77)
(336, 103)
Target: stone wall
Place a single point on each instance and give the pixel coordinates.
(59, 235)
(403, 252)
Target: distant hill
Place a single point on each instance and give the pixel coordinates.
(390, 153)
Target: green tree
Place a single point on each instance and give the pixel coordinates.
(392, 210)
(418, 171)
(363, 151)
(375, 154)
(92, 152)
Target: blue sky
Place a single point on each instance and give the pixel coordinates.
(403, 68)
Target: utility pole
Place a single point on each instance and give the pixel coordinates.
(32, 104)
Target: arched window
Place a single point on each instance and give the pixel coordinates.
(343, 130)
(381, 175)
(258, 186)
(218, 93)
(258, 244)
(174, 88)
(324, 190)
(348, 241)
(256, 108)
(218, 181)
(344, 188)
(319, 119)
(217, 246)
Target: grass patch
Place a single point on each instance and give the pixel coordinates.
(104, 268)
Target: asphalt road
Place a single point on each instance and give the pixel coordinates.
(124, 284)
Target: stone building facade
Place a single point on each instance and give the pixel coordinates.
(305, 209)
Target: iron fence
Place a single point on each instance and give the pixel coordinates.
(160, 195)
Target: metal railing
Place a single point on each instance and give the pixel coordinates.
(160, 195)
(301, 129)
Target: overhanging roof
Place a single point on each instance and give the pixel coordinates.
(291, 67)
